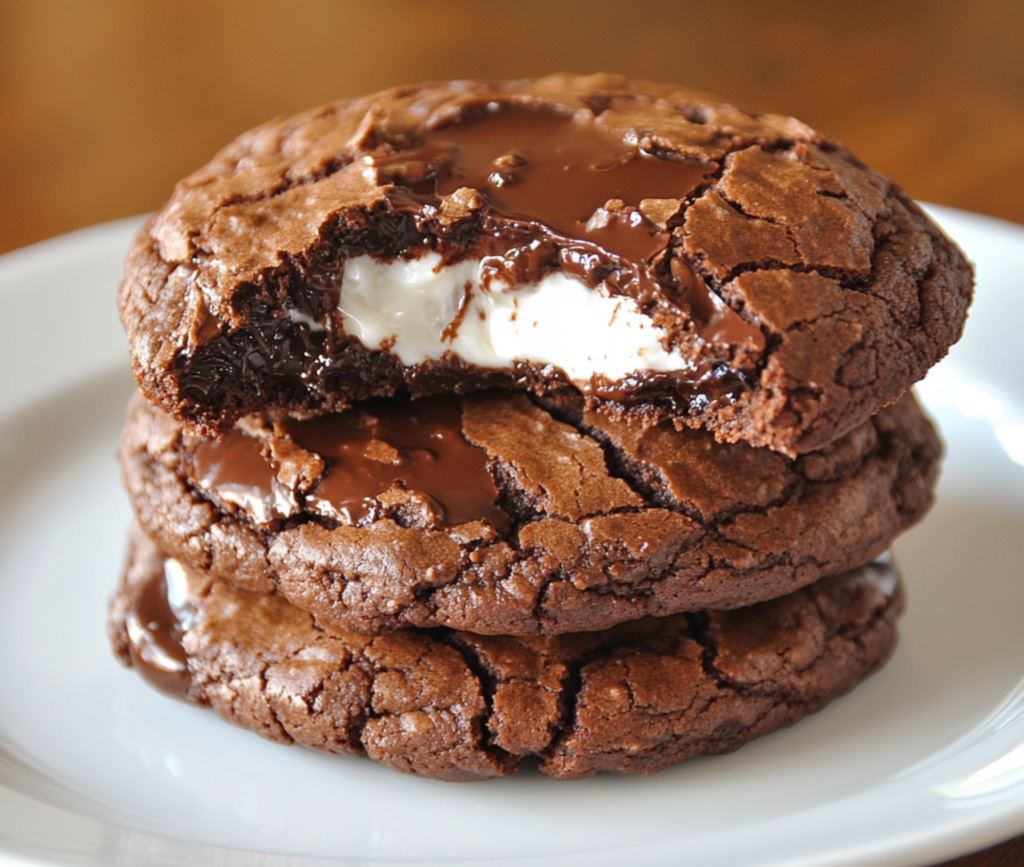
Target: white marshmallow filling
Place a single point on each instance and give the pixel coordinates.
(419, 309)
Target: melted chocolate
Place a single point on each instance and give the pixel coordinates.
(155, 631)
(237, 460)
(237, 472)
(541, 167)
(573, 190)
(419, 444)
(367, 449)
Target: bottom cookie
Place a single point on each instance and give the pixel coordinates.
(456, 706)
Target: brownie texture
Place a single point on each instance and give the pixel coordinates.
(851, 292)
(607, 522)
(456, 706)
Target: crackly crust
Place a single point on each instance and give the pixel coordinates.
(611, 522)
(457, 706)
(856, 292)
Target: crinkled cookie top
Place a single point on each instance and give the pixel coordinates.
(667, 255)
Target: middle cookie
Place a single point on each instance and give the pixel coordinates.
(495, 515)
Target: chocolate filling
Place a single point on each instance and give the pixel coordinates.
(417, 447)
(236, 470)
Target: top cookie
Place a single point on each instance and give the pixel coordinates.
(668, 255)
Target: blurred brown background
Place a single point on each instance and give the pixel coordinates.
(105, 104)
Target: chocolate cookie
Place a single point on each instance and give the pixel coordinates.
(495, 515)
(667, 255)
(456, 706)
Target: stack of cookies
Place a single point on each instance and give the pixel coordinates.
(565, 419)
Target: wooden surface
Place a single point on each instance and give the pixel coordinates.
(104, 105)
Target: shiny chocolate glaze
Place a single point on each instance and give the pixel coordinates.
(366, 451)
(236, 469)
(551, 171)
(418, 444)
(155, 630)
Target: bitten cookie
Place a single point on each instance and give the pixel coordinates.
(667, 255)
(457, 706)
(495, 515)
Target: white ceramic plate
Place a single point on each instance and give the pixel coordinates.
(923, 762)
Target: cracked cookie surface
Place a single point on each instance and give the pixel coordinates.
(840, 292)
(596, 521)
(457, 706)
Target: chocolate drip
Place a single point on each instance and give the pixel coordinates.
(155, 631)
(418, 445)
